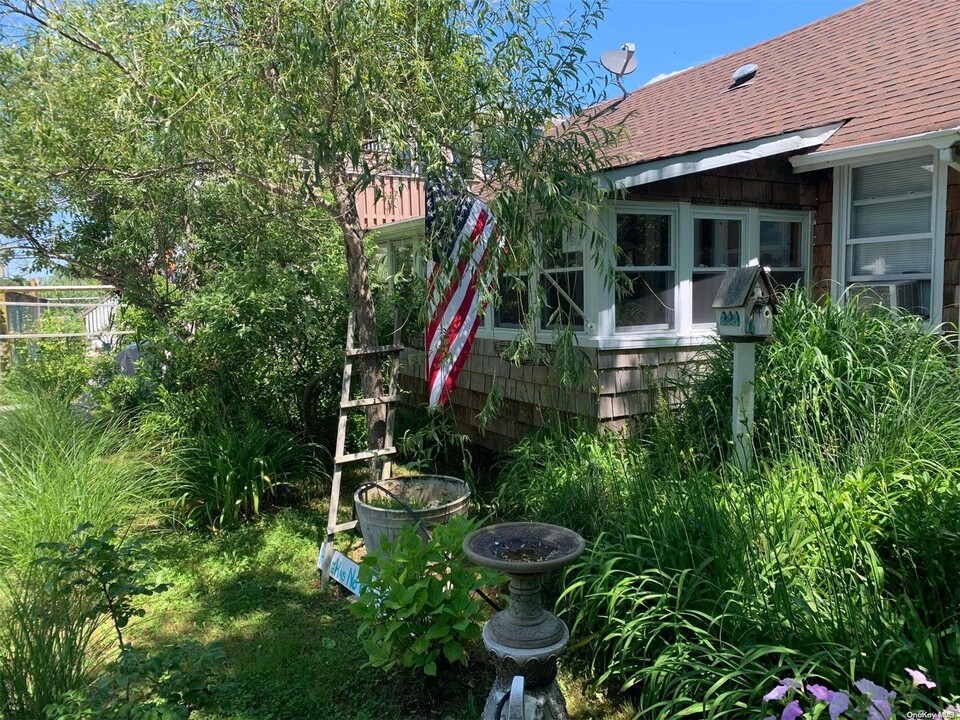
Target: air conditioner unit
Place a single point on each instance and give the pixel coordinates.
(906, 295)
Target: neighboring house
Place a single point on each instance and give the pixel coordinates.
(836, 165)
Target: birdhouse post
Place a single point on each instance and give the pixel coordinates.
(745, 307)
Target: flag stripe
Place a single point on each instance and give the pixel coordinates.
(456, 291)
(445, 319)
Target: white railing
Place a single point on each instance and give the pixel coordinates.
(28, 306)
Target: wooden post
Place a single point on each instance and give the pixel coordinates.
(744, 365)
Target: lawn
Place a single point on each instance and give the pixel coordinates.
(291, 648)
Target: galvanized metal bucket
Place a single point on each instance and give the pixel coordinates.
(432, 499)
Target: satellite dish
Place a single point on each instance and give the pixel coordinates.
(620, 62)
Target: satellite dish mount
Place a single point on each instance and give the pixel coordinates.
(620, 62)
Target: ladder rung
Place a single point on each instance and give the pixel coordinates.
(365, 402)
(365, 455)
(379, 350)
(342, 527)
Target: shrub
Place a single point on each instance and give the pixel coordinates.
(569, 477)
(833, 558)
(52, 649)
(59, 468)
(232, 473)
(417, 607)
(52, 367)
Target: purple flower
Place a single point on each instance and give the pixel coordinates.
(780, 690)
(880, 699)
(839, 704)
(919, 679)
(792, 711)
(776, 694)
(821, 693)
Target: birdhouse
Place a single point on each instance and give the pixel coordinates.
(745, 305)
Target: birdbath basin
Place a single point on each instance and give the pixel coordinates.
(523, 548)
(525, 639)
(525, 551)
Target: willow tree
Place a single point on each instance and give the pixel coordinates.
(109, 106)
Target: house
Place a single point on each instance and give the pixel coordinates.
(835, 163)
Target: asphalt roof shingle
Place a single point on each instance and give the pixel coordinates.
(890, 68)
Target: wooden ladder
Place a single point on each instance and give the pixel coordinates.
(341, 458)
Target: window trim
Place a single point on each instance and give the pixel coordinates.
(610, 301)
(842, 216)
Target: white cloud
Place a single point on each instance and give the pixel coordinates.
(664, 76)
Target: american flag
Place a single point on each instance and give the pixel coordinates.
(459, 227)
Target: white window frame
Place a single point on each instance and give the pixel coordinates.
(842, 215)
(747, 254)
(806, 239)
(608, 299)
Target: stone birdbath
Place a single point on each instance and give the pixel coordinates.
(525, 639)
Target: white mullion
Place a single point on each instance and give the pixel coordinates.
(683, 295)
(750, 240)
(840, 230)
(939, 239)
(891, 238)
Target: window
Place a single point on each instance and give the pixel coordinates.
(782, 250)
(514, 301)
(888, 250)
(562, 285)
(645, 259)
(716, 247)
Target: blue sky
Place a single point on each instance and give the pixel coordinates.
(672, 35)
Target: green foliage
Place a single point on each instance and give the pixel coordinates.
(833, 559)
(52, 367)
(232, 473)
(207, 158)
(571, 477)
(417, 607)
(59, 468)
(51, 650)
(47, 643)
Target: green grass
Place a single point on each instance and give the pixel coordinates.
(292, 648)
(835, 557)
(59, 469)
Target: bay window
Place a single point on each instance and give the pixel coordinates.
(671, 259)
(561, 282)
(782, 249)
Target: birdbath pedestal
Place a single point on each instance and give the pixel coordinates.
(525, 639)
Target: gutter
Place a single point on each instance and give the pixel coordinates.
(691, 163)
(941, 140)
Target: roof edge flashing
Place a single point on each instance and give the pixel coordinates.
(690, 163)
(936, 139)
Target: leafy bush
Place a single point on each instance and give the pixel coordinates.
(834, 558)
(52, 367)
(232, 473)
(568, 477)
(417, 607)
(59, 468)
(53, 657)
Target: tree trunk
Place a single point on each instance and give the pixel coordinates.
(364, 312)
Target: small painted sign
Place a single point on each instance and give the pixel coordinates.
(342, 569)
(729, 318)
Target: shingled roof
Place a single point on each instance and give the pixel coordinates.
(889, 68)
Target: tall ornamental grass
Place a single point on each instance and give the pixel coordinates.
(59, 469)
(835, 557)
